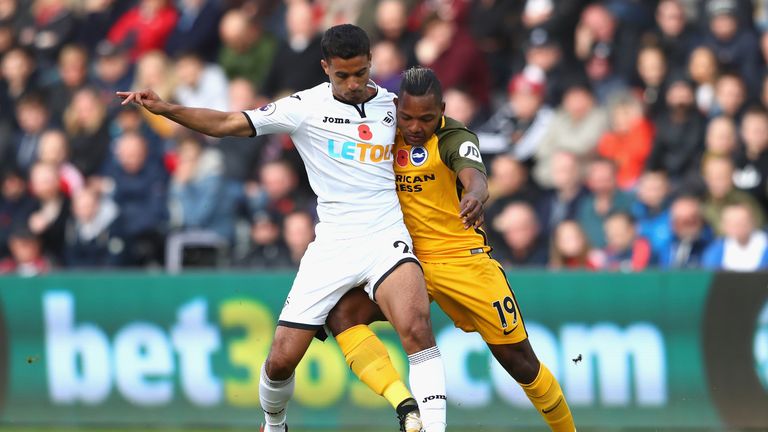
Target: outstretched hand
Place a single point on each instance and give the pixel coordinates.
(471, 211)
(145, 98)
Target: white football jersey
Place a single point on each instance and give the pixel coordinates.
(347, 150)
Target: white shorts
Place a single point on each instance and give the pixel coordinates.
(331, 267)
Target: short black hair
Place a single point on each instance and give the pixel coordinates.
(345, 41)
(420, 81)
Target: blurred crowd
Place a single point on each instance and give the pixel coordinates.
(618, 134)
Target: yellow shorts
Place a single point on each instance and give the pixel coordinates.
(475, 294)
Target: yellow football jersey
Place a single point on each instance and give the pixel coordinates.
(429, 192)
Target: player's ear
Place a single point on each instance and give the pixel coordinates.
(396, 100)
(325, 66)
(442, 107)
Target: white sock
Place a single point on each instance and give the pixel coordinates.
(274, 397)
(427, 378)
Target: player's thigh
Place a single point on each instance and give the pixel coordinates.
(487, 302)
(325, 274)
(354, 308)
(396, 283)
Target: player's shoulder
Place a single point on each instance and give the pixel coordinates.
(318, 93)
(382, 96)
(454, 132)
(454, 139)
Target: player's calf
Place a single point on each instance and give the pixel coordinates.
(537, 382)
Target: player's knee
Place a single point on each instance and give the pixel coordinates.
(279, 367)
(417, 334)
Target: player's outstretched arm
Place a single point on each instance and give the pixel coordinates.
(207, 121)
(475, 195)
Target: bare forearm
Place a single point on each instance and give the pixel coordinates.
(474, 183)
(207, 121)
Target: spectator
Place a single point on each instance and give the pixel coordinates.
(690, 235)
(652, 71)
(154, 71)
(576, 127)
(679, 139)
(16, 204)
(138, 185)
(730, 96)
(33, 117)
(651, 209)
(243, 155)
(87, 127)
(387, 65)
(735, 46)
(493, 25)
(97, 17)
(570, 248)
(543, 52)
(629, 141)
(519, 125)
(718, 177)
(247, 50)
(604, 199)
(51, 209)
(508, 183)
(600, 72)
(200, 197)
(113, 72)
(18, 75)
(597, 25)
(449, 50)
(391, 20)
(50, 26)
(460, 106)
(144, 28)
(73, 75)
(751, 161)
(704, 70)
(743, 247)
(89, 239)
(563, 201)
(523, 243)
(625, 250)
(278, 190)
(298, 233)
(200, 84)
(673, 34)
(296, 64)
(54, 150)
(197, 29)
(721, 137)
(27, 257)
(268, 249)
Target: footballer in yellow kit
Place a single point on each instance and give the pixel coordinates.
(441, 185)
(470, 286)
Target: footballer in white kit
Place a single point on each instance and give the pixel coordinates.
(344, 131)
(361, 236)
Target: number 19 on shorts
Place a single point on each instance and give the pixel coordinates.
(505, 307)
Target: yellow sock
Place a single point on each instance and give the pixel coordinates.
(369, 360)
(548, 398)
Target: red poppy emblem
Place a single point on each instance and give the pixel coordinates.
(365, 132)
(402, 158)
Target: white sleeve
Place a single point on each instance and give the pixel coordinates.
(281, 116)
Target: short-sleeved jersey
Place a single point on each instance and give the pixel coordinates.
(430, 192)
(347, 151)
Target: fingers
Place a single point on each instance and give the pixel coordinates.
(471, 213)
(127, 97)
